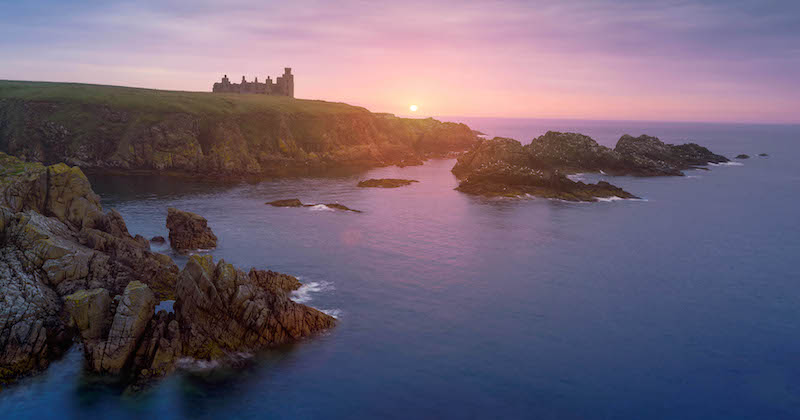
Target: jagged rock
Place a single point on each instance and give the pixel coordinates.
(386, 183)
(31, 331)
(222, 309)
(338, 206)
(487, 152)
(273, 281)
(89, 310)
(572, 152)
(133, 313)
(189, 231)
(158, 240)
(649, 156)
(743, 156)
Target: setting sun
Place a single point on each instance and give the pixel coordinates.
(413, 108)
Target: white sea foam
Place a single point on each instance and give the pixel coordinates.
(336, 313)
(576, 177)
(320, 207)
(609, 199)
(726, 164)
(192, 364)
(304, 293)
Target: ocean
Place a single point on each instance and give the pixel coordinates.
(682, 305)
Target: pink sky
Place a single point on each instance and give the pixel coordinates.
(601, 60)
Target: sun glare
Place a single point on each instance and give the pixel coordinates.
(413, 108)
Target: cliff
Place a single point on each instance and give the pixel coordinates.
(128, 129)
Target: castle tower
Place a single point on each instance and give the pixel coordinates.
(288, 78)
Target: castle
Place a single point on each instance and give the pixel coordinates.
(283, 86)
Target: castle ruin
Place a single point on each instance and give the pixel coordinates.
(283, 86)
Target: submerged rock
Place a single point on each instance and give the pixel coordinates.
(188, 231)
(743, 156)
(294, 202)
(386, 183)
(763, 154)
(158, 240)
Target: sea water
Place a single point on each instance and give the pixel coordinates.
(683, 305)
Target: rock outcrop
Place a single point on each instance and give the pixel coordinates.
(126, 129)
(188, 231)
(62, 259)
(503, 166)
(221, 309)
(295, 202)
(742, 156)
(386, 183)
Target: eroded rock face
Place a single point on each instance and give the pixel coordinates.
(649, 156)
(572, 152)
(188, 231)
(222, 309)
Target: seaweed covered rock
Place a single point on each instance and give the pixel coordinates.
(189, 231)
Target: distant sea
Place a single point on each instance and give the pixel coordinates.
(684, 305)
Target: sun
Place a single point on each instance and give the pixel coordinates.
(413, 108)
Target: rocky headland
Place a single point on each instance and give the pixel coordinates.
(69, 271)
(504, 167)
(204, 135)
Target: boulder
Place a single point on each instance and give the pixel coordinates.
(743, 156)
(158, 240)
(188, 231)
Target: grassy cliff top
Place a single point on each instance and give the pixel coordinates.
(152, 100)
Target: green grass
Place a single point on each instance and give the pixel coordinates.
(160, 101)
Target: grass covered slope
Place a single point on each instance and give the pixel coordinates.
(109, 127)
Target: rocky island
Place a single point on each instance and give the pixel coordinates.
(70, 271)
(213, 135)
(504, 167)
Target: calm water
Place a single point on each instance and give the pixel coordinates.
(686, 305)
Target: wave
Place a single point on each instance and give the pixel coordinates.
(336, 313)
(303, 294)
(320, 207)
(726, 164)
(576, 177)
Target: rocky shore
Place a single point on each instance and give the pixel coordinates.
(69, 271)
(504, 167)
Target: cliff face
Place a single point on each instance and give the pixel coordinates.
(102, 127)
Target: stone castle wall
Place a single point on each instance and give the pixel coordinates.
(283, 85)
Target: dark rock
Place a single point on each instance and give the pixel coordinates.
(188, 231)
(571, 153)
(386, 183)
(222, 309)
(763, 154)
(292, 202)
(487, 152)
(743, 156)
(158, 240)
(649, 156)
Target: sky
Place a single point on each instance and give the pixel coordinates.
(716, 60)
